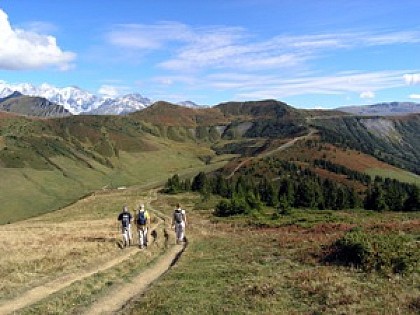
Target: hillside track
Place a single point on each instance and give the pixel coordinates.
(274, 151)
(41, 292)
(36, 294)
(119, 297)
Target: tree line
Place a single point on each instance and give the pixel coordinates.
(296, 187)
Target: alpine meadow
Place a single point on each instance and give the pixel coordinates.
(287, 214)
(272, 165)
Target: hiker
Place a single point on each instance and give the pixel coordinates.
(142, 222)
(179, 221)
(125, 217)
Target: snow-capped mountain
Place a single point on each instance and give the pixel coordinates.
(78, 101)
(122, 105)
(189, 104)
(383, 109)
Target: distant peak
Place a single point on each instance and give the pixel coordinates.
(15, 94)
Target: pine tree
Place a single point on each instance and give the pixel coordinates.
(354, 199)
(305, 195)
(413, 201)
(330, 194)
(287, 190)
(173, 185)
(342, 199)
(284, 206)
(375, 199)
(267, 193)
(199, 182)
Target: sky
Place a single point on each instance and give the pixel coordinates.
(310, 54)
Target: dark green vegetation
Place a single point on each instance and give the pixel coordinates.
(281, 184)
(375, 252)
(46, 164)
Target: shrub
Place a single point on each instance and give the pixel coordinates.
(375, 252)
(226, 208)
(284, 207)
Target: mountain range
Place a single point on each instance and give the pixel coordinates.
(383, 109)
(81, 153)
(78, 101)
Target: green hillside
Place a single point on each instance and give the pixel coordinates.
(48, 163)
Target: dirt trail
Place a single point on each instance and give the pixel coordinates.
(116, 300)
(38, 293)
(120, 296)
(41, 292)
(276, 150)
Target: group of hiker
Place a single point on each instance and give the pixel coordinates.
(142, 221)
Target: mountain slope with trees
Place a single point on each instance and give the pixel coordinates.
(393, 139)
(49, 157)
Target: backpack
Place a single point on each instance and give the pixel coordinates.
(125, 219)
(178, 216)
(141, 218)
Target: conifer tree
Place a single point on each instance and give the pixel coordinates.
(199, 182)
(413, 201)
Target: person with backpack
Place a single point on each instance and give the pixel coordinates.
(125, 217)
(142, 222)
(179, 222)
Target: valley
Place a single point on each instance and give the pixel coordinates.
(209, 157)
(252, 246)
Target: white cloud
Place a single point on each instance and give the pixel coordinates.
(24, 50)
(108, 90)
(270, 86)
(187, 48)
(415, 96)
(113, 90)
(235, 61)
(149, 37)
(403, 37)
(174, 79)
(412, 78)
(367, 94)
(40, 27)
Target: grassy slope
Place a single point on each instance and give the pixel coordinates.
(351, 159)
(69, 242)
(70, 154)
(233, 268)
(25, 192)
(401, 175)
(229, 266)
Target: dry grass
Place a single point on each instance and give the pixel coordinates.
(228, 267)
(68, 241)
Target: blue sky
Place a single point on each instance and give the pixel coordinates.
(310, 54)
